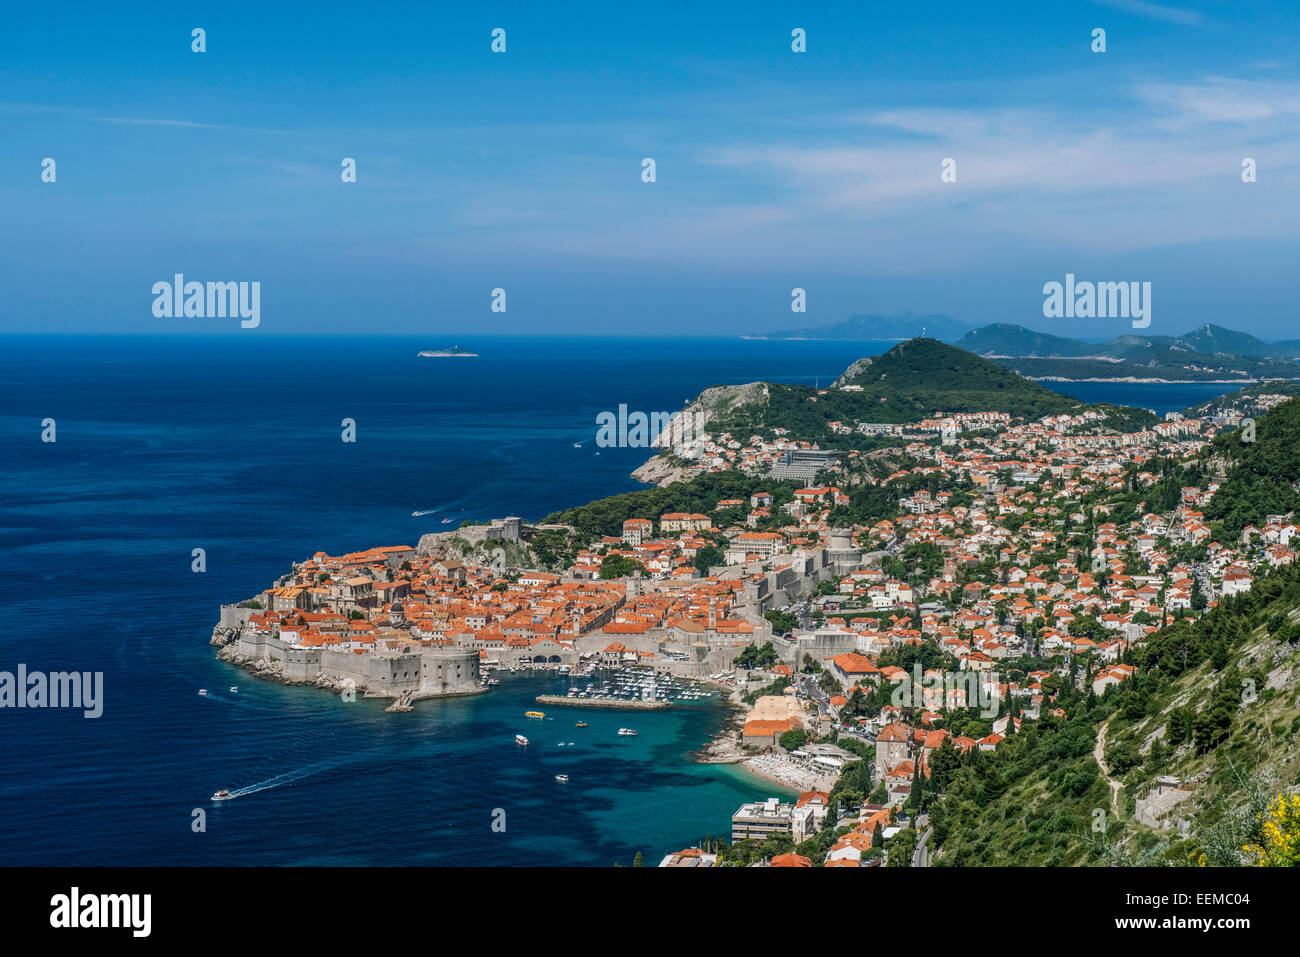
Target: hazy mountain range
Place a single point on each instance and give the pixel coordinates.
(1207, 353)
(868, 327)
(1004, 339)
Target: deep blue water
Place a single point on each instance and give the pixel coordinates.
(1160, 397)
(233, 444)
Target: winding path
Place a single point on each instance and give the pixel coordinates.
(1098, 754)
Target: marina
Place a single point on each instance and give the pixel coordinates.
(642, 689)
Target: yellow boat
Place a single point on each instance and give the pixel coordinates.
(534, 714)
(581, 724)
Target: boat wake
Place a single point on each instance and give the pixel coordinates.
(287, 777)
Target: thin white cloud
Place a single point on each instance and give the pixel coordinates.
(1222, 100)
(144, 121)
(1155, 11)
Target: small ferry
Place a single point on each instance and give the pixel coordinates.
(203, 692)
(521, 740)
(627, 732)
(534, 714)
(222, 795)
(581, 724)
(562, 778)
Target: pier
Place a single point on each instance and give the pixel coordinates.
(617, 704)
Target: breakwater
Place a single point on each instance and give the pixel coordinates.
(617, 704)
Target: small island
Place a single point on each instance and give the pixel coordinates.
(455, 352)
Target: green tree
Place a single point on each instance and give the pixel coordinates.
(618, 566)
(707, 557)
(794, 739)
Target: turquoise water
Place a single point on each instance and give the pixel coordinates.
(434, 779)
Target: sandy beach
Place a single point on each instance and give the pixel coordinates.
(786, 771)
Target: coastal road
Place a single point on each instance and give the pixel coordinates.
(813, 689)
(921, 856)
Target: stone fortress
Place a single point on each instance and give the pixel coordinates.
(404, 668)
(394, 662)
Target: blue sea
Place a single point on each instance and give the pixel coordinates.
(232, 444)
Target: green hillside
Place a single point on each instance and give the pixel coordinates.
(911, 381)
(1241, 398)
(606, 516)
(1263, 474)
(1212, 340)
(1213, 704)
(914, 380)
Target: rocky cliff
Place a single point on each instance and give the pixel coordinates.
(692, 423)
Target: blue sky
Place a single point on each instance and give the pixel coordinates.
(522, 170)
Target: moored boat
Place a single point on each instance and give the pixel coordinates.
(521, 740)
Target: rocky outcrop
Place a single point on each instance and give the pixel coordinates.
(222, 637)
(851, 373)
(717, 399)
(437, 544)
(272, 670)
(691, 423)
(660, 470)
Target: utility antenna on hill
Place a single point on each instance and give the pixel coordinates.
(923, 332)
